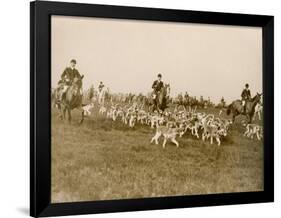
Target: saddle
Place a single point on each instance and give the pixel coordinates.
(243, 108)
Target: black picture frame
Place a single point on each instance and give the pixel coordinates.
(40, 116)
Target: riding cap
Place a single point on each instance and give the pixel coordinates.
(159, 75)
(73, 61)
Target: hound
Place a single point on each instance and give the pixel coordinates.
(168, 133)
(132, 120)
(171, 124)
(195, 124)
(254, 130)
(86, 109)
(222, 123)
(102, 110)
(142, 118)
(120, 113)
(109, 113)
(156, 121)
(258, 111)
(211, 129)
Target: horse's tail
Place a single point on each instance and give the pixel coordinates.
(228, 111)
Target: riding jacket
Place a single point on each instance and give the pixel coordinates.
(100, 87)
(69, 74)
(246, 94)
(157, 85)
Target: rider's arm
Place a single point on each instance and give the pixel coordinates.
(64, 73)
(77, 73)
(242, 94)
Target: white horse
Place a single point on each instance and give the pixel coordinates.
(101, 96)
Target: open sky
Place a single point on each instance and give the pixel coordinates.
(208, 60)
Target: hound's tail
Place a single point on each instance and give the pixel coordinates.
(228, 111)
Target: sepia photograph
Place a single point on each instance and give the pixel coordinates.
(143, 109)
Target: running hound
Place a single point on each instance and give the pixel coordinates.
(87, 109)
(168, 134)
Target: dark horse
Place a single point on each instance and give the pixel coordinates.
(161, 101)
(236, 108)
(72, 99)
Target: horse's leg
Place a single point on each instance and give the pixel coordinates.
(250, 118)
(63, 113)
(155, 108)
(69, 115)
(233, 117)
(254, 116)
(82, 117)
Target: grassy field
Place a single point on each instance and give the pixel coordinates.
(102, 160)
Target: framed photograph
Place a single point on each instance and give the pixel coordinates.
(143, 108)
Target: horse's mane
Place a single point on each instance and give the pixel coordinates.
(164, 89)
(254, 98)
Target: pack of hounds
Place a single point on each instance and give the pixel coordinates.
(171, 125)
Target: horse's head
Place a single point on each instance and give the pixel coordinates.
(257, 98)
(77, 84)
(77, 81)
(167, 89)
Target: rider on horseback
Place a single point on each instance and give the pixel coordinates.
(157, 86)
(67, 78)
(100, 87)
(246, 96)
(222, 101)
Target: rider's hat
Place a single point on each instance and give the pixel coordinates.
(247, 85)
(159, 75)
(73, 61)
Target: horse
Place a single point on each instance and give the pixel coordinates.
(101, 96)
(90, 93)
(236, 108)
(160, 103)
(72, 99)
